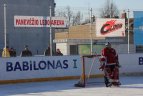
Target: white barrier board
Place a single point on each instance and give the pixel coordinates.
(16, 68)
(39, 67)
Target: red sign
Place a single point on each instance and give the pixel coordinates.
(39, 21)
(110, 27)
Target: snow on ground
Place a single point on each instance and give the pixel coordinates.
(131, 86)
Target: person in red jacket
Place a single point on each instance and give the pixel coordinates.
(110, 65)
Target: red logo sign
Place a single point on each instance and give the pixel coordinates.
(110, 26)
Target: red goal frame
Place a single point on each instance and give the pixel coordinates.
(82, 82)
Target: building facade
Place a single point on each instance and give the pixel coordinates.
(79, 40)
(37, 38)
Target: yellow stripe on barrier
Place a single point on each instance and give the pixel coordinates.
(45, 79)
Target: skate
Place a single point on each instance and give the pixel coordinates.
(116, 84)
(79, 84)
(109, 84)
(106, 81)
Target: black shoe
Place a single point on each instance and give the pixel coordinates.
(109, 85)
(119, 83)
(106, 81)
(116, 84)
(79, 85)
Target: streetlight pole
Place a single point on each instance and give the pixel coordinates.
(5, 31)
(91, 41)
(51, 53)
(128, 31)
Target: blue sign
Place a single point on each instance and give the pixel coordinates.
(39, 65)
(138, 27)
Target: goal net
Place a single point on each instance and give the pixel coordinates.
(90, 71)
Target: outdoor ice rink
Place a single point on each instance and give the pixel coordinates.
(131, 86)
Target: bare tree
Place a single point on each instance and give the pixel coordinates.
(60, 13)
(110, 10)
(68, 13)
(77, 18)
(73, 19)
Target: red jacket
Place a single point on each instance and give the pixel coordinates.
(110, 55)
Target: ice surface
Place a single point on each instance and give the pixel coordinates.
(131, 86)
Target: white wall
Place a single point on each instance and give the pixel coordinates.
(63, 47)
(131, 63)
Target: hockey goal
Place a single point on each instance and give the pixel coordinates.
(90, 70)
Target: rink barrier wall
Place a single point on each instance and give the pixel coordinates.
(46, 68)
(39, 68)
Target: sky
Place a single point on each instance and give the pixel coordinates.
(132, 5)
(121, 4)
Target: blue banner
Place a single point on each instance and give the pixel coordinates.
(138, 27)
